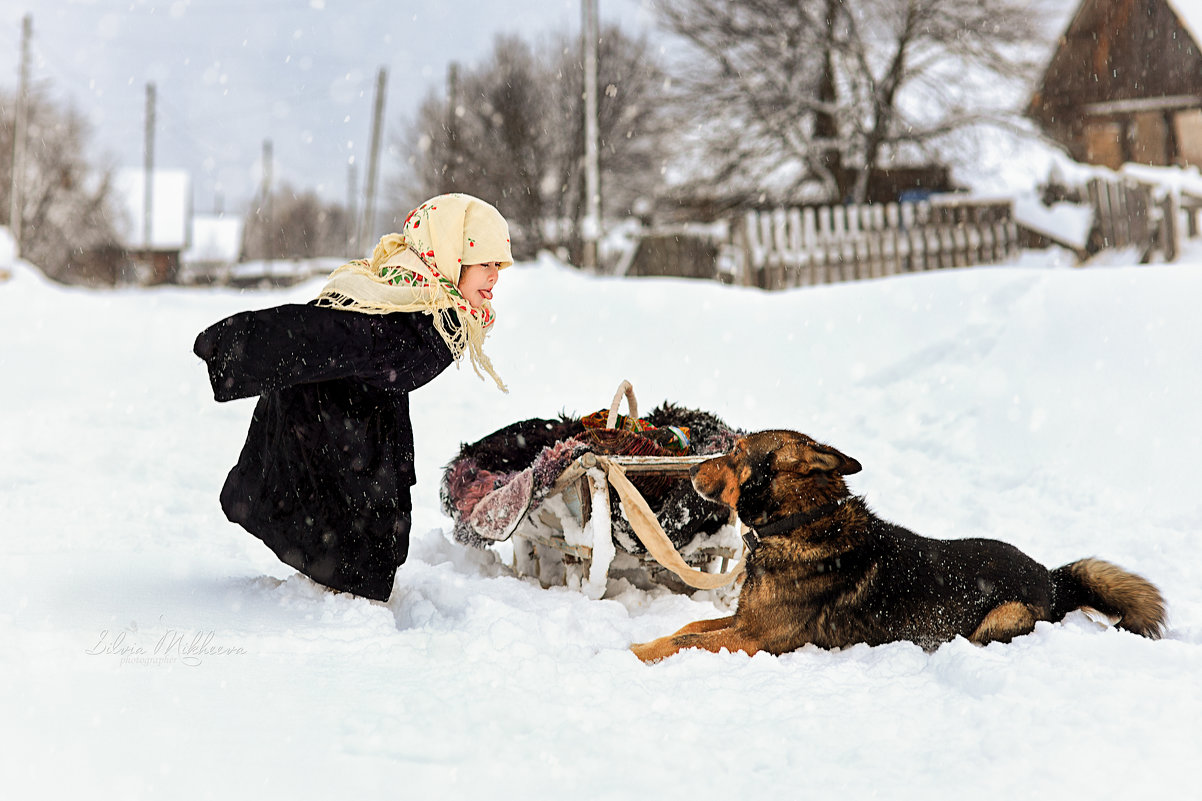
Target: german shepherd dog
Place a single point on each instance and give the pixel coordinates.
(824, 569)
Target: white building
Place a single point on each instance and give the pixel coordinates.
(215, 246)
(156, 247)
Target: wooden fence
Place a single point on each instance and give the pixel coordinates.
(1122, 214)
(818, 245)
(783, 248)
(1131, 213)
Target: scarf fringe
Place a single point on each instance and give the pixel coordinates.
(467, 337)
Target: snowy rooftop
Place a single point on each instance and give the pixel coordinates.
(171, 193)
(1061, 13)
(215, 238)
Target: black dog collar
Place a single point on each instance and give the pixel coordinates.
(787, 523)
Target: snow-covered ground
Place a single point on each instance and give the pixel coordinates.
(149, 648)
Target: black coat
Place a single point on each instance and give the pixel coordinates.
(324, 476)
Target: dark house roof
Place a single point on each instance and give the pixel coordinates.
(1121, 61)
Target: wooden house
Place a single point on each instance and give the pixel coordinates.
(1125, 84)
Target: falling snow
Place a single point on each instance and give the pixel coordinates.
(154, 648)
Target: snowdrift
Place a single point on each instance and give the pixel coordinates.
(154, 648)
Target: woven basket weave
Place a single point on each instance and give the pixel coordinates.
(627, 442)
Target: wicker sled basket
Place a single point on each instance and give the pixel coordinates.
(568, 537)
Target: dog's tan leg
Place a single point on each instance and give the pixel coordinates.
(702, 626)
(729, 638)
(1005, 622)
(656, 649)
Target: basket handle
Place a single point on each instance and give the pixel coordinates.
(632, 405)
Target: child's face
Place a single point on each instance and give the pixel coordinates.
(477, 280)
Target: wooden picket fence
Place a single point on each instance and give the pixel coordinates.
(819, 245)
(1123, 214)
(1135, 214)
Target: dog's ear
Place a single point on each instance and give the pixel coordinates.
(833, 461)
(794, 452)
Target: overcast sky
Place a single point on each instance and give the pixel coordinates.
(230, 74)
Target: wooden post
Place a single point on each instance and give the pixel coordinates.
(872, 244)
(590, 33)
(352, 197)
(266, 213)
(796, 258)
(780, 248)
(1097, 200)
(148, 176)
(1138, 197)
(741, 247)
(1122, 217)
(880, 232)
(451, 127)
(925, 230)
(742, 237)
(765, 253)
(826, 239)
(989, 243)
(839, 234)
(893, 263)
(367, 227)
(809, 236)
(1170, 229)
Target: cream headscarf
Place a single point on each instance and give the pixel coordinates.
(418, 270)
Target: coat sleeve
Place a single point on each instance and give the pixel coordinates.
(255, 352)
(408, 352)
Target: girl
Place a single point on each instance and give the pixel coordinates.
(324, 476)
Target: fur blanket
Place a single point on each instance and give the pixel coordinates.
(540, 449)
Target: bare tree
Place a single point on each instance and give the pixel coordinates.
(511, 131)
(66, 212)
(789, 93)
(301, 226)
(633, 129)
(489, 140)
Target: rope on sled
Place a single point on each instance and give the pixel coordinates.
(647, 528)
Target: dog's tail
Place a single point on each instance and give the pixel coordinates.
(1110, 590)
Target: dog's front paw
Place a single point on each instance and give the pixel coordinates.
(656, 649)
(646, 651)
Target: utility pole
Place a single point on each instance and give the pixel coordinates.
(15, 201)
(452, 167)
(266, 210)
(148, 177)
(373, 165)
(592, 169)
(352, 209)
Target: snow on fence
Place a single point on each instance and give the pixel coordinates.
(818, 245)
(1125, 212)
(1146, 208)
